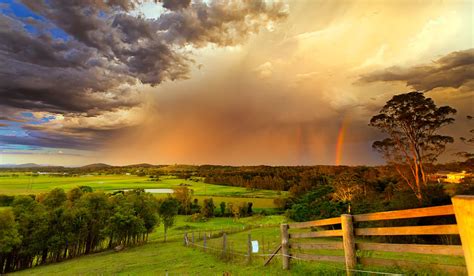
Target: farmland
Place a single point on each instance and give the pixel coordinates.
(24, 183)
(159, 257)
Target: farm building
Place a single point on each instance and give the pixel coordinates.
(451, 177)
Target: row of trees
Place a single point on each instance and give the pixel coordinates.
(57, 225)
(190, 206)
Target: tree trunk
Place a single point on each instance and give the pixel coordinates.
(44, 256)
(88, 243)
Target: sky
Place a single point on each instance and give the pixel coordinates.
(223, 82)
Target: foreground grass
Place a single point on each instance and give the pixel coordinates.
(172, 258)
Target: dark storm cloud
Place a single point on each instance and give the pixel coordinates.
(46, 141)
(453, 70)
(80, 57)
(106, 47)
(83, 138)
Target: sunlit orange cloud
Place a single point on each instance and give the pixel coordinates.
(275, 99)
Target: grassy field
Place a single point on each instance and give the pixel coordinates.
(170, 259)
(25, 184)
(158, 258)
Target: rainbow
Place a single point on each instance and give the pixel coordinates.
(340, 141)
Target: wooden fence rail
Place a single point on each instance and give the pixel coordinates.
(464, 213)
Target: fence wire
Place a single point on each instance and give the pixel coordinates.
(289, 256)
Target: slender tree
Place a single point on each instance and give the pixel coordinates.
(347, 187)
(183, 195)
(412, 122)
(208, 208)
(168, 211)
(222, 207)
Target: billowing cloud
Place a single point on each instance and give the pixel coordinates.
(97, 77)
(453, 70)
(106, 47)
(83, 59)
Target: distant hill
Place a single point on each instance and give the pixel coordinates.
(141, 165)
(20, 166)
(96, 166)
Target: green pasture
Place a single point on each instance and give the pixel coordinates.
(258, 202)
(26, 184)
(185, 224)
(158, 258)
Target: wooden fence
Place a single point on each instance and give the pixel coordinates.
(351, 233)
(225, 251)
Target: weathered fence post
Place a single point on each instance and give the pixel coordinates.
(205, 241)
(186, 239)
(348, 241)
(192, 239)
(249, 249)
(285, 246)
(464, 212)
(224, 245)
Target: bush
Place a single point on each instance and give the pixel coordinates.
(6, 200)
(465, 189)
(316, 204)
(197, 217)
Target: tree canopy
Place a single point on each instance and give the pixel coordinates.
(57, 225)
(412, 122)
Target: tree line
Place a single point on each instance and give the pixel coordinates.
(54, 226)
(187, 205)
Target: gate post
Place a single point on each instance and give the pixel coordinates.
(348, 242)
(224, 245)
(185, 241)
(249, 249)
(464, 212)
(285, 237)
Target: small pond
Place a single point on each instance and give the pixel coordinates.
(157, 191)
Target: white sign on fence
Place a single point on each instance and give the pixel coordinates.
(254, 246)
